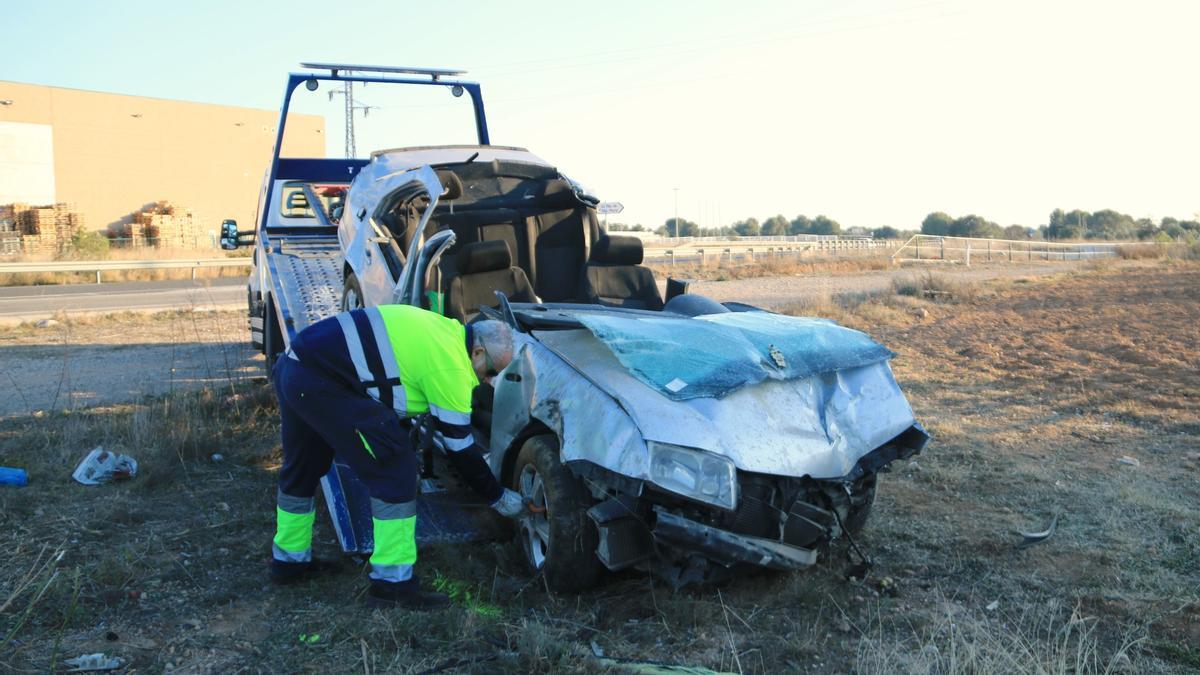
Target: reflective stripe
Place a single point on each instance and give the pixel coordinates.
(382, 510)
(456, 444)
(288, 556)
(357, 355)
(395, 542)
(391, 369)
(293, 531)
(297, 505)
(391, 573)
(366, 445)
(451, 416)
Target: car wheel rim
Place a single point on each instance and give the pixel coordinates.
(535, 530)
(351, 300)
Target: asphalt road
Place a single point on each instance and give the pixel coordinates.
(31, 303)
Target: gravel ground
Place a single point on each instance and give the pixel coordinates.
(104, 360)
(86, 362)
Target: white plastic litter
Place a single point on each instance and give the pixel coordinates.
(93, 662)
(101, 466)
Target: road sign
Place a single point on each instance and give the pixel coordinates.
(606, 208)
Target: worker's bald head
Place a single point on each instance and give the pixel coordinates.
(493, 348)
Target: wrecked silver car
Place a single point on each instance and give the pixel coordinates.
(673, 434)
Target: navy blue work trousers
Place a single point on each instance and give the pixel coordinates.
(321, 417)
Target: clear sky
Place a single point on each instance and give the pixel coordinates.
(872, 112)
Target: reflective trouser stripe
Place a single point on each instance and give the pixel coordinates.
(357, 355)
(293, 535)
(391, 369)
(395, 540)
(366, 445)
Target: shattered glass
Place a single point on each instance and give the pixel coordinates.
(713, 355)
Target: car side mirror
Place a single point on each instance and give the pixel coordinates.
(229, 235)
(676, 287)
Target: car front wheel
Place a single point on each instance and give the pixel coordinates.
(352, 296)
(559, 540)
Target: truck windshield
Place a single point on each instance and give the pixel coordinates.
(383, 115)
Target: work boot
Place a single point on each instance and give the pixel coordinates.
(404, 594)
(283, 573)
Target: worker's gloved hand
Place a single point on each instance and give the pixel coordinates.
(510, 504)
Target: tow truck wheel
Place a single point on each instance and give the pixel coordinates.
(352, 297)
(560, 542)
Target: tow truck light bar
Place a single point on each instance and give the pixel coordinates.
(334, 68)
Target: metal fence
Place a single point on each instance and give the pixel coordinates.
(965, 250)
(99, 266)
(716, 251)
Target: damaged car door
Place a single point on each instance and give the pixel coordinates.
(385, 213)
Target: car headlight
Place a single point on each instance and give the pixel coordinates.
(694, 473)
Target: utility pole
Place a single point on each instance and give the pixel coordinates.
(351, 105)
(676, 212)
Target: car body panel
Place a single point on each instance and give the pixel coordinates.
(818, 426)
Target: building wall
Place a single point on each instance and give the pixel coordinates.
(114, 154)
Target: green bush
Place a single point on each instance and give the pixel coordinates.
(90, 245)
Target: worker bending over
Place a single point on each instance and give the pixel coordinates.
(349, 386)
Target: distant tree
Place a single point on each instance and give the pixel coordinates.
(974, 226)
(1109, 224)
(823, 225)
(775, 226)
(937, 223)
(747, 228)
(1071, 225)
(885, 232)
(686, 228)
(1016, 232)
(800, 225)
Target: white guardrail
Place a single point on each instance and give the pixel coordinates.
(931, 248)
(99, 266)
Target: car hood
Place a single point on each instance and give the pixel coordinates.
(819, 425)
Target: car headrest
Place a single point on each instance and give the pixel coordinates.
(484, 256)
(617, 250)
(452, 185)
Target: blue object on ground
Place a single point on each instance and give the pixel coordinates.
(16, 477)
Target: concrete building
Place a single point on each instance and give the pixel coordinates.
(110, 155)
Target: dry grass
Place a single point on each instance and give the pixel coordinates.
(1031, 390)
(771, 266)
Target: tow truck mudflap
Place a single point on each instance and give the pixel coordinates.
(729, 548)
(442, 516)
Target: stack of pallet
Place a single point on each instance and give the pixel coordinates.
(38, 230)
(165, 225)
(10, 237)
(125, 235)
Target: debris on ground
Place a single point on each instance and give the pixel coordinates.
(101, 466)
(1128, 461)
(46, 323)
(217, 458)
(1035, 537)
(94, 662)
(993, 606)
(11, 476)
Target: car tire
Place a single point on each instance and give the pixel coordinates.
(564, 533)
(272, 335)
(352, 295)
(861, 510)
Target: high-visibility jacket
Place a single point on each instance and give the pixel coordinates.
(407, 358)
